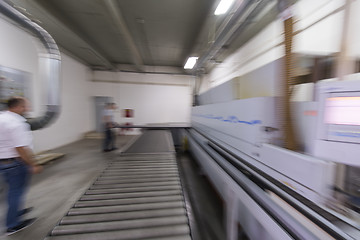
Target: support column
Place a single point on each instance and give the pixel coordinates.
(345, 65)
(290, 140)
(285, 10)
(232, 210)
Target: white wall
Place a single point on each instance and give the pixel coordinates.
(354, 41)
(155, 98)
(322, 24)
(20, 51)
(17, 48)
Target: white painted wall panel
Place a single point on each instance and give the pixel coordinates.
(152, 103)
(354, 43)
(17, 48)
(321, 39)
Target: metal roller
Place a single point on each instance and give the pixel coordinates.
(144, 167)
(153, 232)
(142, 164)
(129, 187)
(183, 237)
(132, 190)
(123, 173)
(108, 217)
(137, 173)
(143, 170)
(141, 167)
(131, 184)
(123, 208)
(147, 158)
(139, 180)
(112, 202)
(118, 225)
(148, 175)
(130, 195)
(125, 157)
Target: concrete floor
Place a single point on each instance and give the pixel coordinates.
(63, 181)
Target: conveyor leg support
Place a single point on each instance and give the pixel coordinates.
(232, 210)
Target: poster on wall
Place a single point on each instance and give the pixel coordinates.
(13, 82)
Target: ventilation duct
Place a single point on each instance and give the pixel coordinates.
(51, 61)
(233, 25)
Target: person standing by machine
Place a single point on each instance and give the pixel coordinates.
(16, 161)
(109, 124)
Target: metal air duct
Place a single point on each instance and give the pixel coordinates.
(232, 26)
(51, 61)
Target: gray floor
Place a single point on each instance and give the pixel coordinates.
(62, 182)
(53, 192)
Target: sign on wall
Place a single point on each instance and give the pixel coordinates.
(13, 82)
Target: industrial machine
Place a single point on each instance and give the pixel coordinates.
(272, 192)
(275, 193)
(338, 135)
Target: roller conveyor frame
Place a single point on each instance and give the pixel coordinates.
(138, 196)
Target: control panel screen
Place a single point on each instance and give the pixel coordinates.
(342, 118)
(342, 110)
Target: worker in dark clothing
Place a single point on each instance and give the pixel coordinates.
(109, 124)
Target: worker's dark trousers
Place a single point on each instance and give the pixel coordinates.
(16, 175)
(109, 140)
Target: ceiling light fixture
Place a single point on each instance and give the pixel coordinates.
(190, 63)
(223, 7)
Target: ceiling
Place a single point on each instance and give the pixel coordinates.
(135, 35)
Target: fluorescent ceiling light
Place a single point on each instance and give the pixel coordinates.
(223, 7)
(190, 63)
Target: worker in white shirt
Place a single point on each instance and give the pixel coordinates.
(16, 160)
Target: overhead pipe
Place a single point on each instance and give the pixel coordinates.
(242, 10)
(51, 62)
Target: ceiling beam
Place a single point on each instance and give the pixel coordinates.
(129, 41)
(52, 13)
